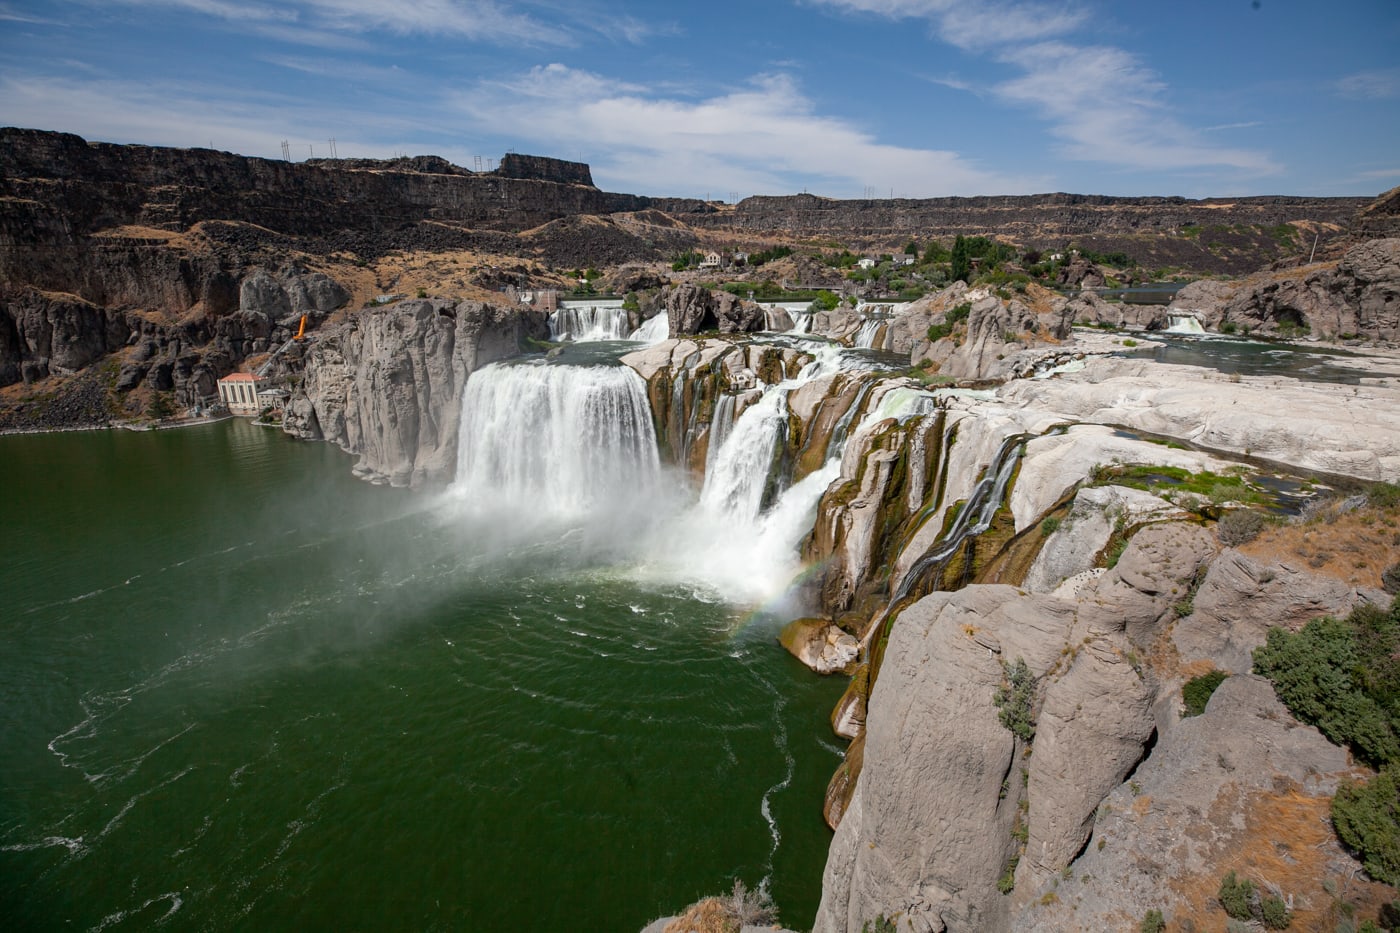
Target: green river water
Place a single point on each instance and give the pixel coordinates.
(240, 689)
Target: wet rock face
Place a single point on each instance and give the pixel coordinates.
(387, 385)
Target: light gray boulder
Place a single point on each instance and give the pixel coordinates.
(1241, 598)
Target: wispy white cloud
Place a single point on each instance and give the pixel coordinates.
(8, 14)
(1379, 84)
(951, 82)
(753, 139)
(1102, 102)
(977, 25)
(315, 22)
(108, 110)
(1248, 124)
(1106, 106)
(1381, 173)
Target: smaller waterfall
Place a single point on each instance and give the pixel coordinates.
(582, 325)
(1184, 324)
(869, 333)
(801, 323)
(741, 477)
(654, 330)
(976, 517)
(721, 424)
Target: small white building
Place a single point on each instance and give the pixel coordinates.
(866, 263)
(239, 393)
(712, 260)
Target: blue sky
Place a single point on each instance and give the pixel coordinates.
(843, 98)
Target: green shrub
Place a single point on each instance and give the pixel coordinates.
(1239, 526)
(1049, 525)
(937, 332)
(1274, 913)
(1384, 495)
(1367, 818)
(1014, 700)
(1237, 897)
(1007, 882)
(1152, 922)
(959, 313)
(1197, 691)
(1341, 676)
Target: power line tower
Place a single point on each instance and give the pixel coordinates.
(286, 151)
(332, 142)
(477, 162)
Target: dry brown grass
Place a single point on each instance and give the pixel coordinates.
(1355, 547)
(706, 916)
(1287, 845)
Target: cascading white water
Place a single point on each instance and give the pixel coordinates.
(869, 331)
(801, 323)
(550, 443)
(555, 440)
(1184, 324)
(721, 424)
(741, 471)
(654, 330)
(593, 323)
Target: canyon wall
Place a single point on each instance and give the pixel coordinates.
(387, 385)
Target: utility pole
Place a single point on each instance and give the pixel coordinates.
(286, 151)
(332, 142)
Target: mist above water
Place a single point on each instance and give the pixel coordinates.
(568, 453)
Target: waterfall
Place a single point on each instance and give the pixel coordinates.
(869, 333)
(654, 330)
(801, 322)
(557, 440)
(974, 518)
(1184, 324)
(581, 325)
(721, 424)
(740, 482)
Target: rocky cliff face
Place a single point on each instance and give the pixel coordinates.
(1234, 235)
(1356, 296)
(73, 187)
(1109, 804)
(387, 385)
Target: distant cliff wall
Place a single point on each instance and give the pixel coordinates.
(68, 187)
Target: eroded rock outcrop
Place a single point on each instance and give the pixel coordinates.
(1357, 296)
(693, 310)
(387, 385)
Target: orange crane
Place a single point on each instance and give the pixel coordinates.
(301, 331)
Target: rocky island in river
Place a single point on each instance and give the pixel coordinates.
(1069, 551)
